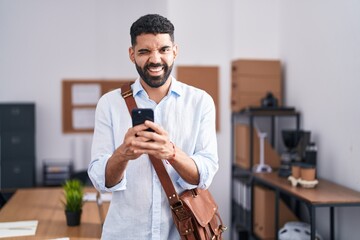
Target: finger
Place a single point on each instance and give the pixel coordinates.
(134, 132)
(140, 138)
(147, 135)
(138, 128)
(157, 128)
(144, 145)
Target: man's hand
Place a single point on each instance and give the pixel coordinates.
(127, 151)
(155, 143)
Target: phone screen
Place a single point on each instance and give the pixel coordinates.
(140, 115)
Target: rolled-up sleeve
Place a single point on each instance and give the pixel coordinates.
(205, 155)
(103, 146)
(96, 173)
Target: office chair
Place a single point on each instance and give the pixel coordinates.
(2, 200)
(4, 197)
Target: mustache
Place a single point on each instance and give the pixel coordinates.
(155, 65)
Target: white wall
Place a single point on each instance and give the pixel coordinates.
(256, 29)
(320, 48)
(43, 42)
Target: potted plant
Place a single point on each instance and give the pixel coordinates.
(73, 191)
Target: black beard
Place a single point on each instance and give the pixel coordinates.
(154, 82)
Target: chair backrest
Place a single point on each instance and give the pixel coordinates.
(2, 200)
(4, 197)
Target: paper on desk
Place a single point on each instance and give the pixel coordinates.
(65, 238)
(104, 197)
(19, 228)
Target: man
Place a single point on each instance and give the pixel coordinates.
(184, 139)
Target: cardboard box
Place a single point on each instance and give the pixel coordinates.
(258, 84)
(242, 150)
(256, 67)
(264, 213)
(205, 78)
(251, 80)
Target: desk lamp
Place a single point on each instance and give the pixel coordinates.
(262, 167)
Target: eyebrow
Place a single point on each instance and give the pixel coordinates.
(148, 50)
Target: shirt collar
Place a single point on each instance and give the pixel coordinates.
(174, 87)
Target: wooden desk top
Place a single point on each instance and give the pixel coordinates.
(44, 205)
(325, 193)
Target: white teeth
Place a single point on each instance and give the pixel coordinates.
(157, 69)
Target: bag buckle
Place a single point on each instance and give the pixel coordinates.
(179, 210)
(127, 93)
(222, 228)
(177, 205)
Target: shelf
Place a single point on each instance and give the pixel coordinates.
(240, 173)
(242, 192)
(281, 111)
(241, 217)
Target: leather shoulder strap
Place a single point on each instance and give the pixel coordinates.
(127, 94)
(159, 167)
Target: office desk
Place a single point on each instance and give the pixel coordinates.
(44, 205)
(325, 194)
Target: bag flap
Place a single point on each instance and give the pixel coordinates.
(201, 205)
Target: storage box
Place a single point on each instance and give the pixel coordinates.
(205, 78)
(264, 213)
(252, 80)
(242, 150)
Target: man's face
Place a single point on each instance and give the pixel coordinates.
(154, 57)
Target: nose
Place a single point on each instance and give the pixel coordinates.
(155, 57)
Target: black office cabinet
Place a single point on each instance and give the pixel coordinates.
(17, 145)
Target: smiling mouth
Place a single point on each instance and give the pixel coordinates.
(155, 70)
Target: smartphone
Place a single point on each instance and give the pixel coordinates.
(140, 115)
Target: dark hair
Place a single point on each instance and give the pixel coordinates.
(151, 23)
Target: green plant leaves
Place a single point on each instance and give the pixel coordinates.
(73, 190)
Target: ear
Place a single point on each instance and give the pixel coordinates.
(132, 54)
(175, 50)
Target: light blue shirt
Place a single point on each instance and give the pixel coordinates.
(139, 208)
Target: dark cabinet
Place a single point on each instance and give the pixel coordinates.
(17, 145)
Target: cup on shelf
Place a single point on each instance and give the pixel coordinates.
(308, 172)
(295, 170)
(303, 174)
